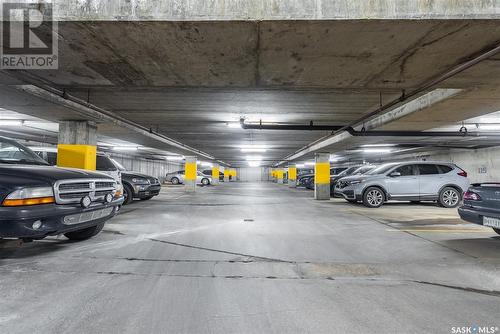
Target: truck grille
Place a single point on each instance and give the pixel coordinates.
(72, 191)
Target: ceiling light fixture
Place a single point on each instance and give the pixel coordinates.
(378, 145)
(377, 150)
(253, 158)
(125, 148)
(175, 157)
(254, 163)
(234, 125)
(11, 122)
(489, 127)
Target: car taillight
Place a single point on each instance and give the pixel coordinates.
(463, 173)
(471, 196)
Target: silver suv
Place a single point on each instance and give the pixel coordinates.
(409, 181)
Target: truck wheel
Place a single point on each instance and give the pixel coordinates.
(84, 234)
(449, 197)
(146, 198)
(128, 194)
(497, 230)
(373, 197)
(175, 180)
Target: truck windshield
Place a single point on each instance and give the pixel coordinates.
(14, 153)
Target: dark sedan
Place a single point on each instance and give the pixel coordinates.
(482, 205)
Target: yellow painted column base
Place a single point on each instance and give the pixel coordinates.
(76, 156)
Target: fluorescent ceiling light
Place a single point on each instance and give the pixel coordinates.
(378, 145)
(489, 127)
(250, 150)
(47, 126)
(175, 157)
(125, 148)
(377, 150)
(234, 125)
(205, 163)
(11, 122)
(300, 165)
(254, 158)
(254, 163)
(309, 163)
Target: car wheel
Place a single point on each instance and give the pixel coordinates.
(146, 198)
(497, 230)
(373, 197)
(449, 197)
(84, 234)
(128, 194)
(175, 180)
(205, 182)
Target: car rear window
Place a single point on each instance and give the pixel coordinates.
(428, 169)
(445, 169)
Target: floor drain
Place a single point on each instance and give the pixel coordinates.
(248, 220)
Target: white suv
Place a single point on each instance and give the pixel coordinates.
(409, 181)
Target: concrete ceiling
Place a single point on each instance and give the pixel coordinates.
(186, 80)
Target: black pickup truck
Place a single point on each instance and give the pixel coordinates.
(482, 205)
(38, 200)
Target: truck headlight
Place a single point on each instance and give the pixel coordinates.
(30, 196)
(119, 190)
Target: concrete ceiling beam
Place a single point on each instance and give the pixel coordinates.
(220, 10)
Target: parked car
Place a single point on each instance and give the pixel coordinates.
(39, 200)
(412, 181)
(208, 172)
(307, 180)
(482, 205)
(137, 185)
(178, 178)
(353, 170)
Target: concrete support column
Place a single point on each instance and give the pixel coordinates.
(215, 174)
(292, 175)
(77, 144)
(322, 176)
(279, 175)
(190, 171)
(226, 174)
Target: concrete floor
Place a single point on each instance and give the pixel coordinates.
(257, 258)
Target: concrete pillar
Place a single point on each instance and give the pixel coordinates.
(279, 175)
(215, 174)
(226, 174)
(292, 175)
(322, 176)
(190, 171)
(77, 144)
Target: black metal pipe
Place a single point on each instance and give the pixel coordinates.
(297, 127)
(389, 133)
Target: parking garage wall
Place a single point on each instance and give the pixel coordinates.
(156, 168)
(481, 165)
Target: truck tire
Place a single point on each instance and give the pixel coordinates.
(129, 194)
(84, 234)
(373, 197)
